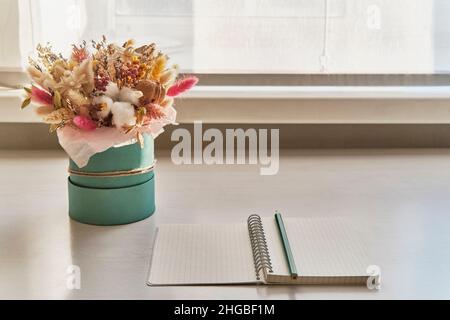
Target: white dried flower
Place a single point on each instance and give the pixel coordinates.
(130, 95)
(168, 77)
(106, 103)
(112, 91)
(123, 114)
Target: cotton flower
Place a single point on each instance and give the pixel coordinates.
(123, 114)
(112, 91)
(120, 102)
(106, 103)
(129, 95)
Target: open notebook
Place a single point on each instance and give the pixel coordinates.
(325, 251)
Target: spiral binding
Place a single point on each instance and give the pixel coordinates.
(258, 241)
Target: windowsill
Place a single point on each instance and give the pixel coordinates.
(320, 92)
(290, 104)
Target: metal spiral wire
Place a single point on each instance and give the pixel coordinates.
(258, 241)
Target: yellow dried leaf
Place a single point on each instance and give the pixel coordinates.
(127, 129)
(140, 114)
(140, 139)
(25, 102)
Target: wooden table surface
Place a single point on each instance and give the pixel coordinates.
(400, 198)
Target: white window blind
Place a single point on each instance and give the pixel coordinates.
(266, 36)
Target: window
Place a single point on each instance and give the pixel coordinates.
(261, 53)
(266, 36)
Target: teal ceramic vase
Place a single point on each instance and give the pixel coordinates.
(117, 186)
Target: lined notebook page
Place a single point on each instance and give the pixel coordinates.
(326, 250)
(202, 254)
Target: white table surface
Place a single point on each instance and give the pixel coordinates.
(400, 198)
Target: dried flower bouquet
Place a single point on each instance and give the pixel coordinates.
(107, 96)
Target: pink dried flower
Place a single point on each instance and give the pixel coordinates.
(79, 54)
(84, 123)
(101, 81)
(41, 97)
(153, 111)
(181, 86)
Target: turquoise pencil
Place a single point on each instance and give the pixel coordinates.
(286, 246)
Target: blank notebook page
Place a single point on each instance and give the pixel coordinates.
(202, 254)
